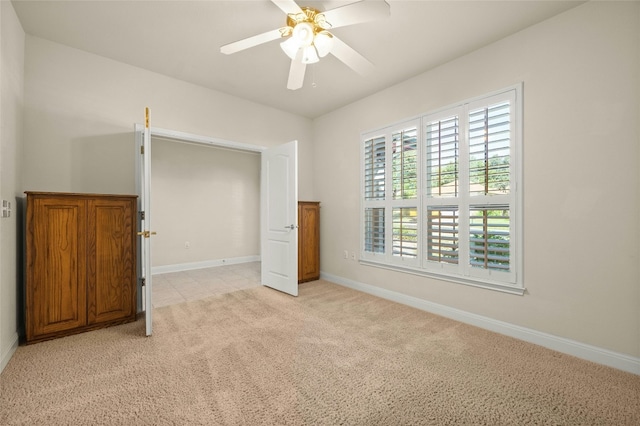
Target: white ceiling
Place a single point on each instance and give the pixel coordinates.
(182, 39)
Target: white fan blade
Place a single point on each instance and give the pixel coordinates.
(296, 72)
(288, 6)
(350, 57)
(356, 13)
(246, 43)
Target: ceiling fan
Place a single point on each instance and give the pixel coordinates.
(308, 38)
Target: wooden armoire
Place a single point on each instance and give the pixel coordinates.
(80, 263)
(308, 241)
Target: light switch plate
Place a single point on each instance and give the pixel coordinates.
(6, 208)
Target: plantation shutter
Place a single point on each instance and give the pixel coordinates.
(374, 231)
(404, 169)
(405, 232)
(442, 157)
(441, 222)
(490, 202)
(489, 238)
(374, 168)
(489, 149)
(442, 234)
(403, 229)
(374, 187)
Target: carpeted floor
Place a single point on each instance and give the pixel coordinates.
(332, 356)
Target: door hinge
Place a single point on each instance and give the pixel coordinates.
(142, 149)
(141, 215)
(143, 281)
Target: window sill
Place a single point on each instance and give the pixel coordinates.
(504, 288)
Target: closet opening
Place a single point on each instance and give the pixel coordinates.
(205, 200)
(213, 203)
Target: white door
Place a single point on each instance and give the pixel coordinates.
(279, 218)
(143, 187)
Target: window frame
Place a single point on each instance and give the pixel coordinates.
(511, 281)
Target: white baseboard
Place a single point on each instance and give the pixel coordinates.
(560, 344)
(6, 356)
(205, 264)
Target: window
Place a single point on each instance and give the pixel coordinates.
(440, 194)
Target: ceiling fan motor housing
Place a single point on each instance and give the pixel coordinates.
(309, 16)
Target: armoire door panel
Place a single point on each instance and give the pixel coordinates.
(58, 291)
(110, 260)
(309, 241)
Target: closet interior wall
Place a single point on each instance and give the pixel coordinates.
(205, 204)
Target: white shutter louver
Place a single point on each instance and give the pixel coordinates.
(374, 168)
(489, 149)
(374, 230)
(442, 157)
(489, 239)
(405, 232)
(442, 234)
(404, 169)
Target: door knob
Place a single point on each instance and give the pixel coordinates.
(291, 227)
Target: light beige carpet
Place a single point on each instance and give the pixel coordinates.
(332, 356)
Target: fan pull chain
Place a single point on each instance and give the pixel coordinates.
(313, 77)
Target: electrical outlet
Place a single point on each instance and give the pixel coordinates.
(353, 255)
(187, 244)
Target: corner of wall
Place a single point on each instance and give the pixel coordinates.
(8, 353)
(12, 40)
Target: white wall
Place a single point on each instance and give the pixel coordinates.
(206, 196)
(581, 182)
(80, 109)
(11, 94)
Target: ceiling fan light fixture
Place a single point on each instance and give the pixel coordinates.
(308, 35)
(302, 37)
(323, 42)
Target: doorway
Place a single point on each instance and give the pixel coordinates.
(206, 204)
(278, 210)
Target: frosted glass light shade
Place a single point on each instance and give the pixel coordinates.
(323, 43)
(309, 55)
(290, 47)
